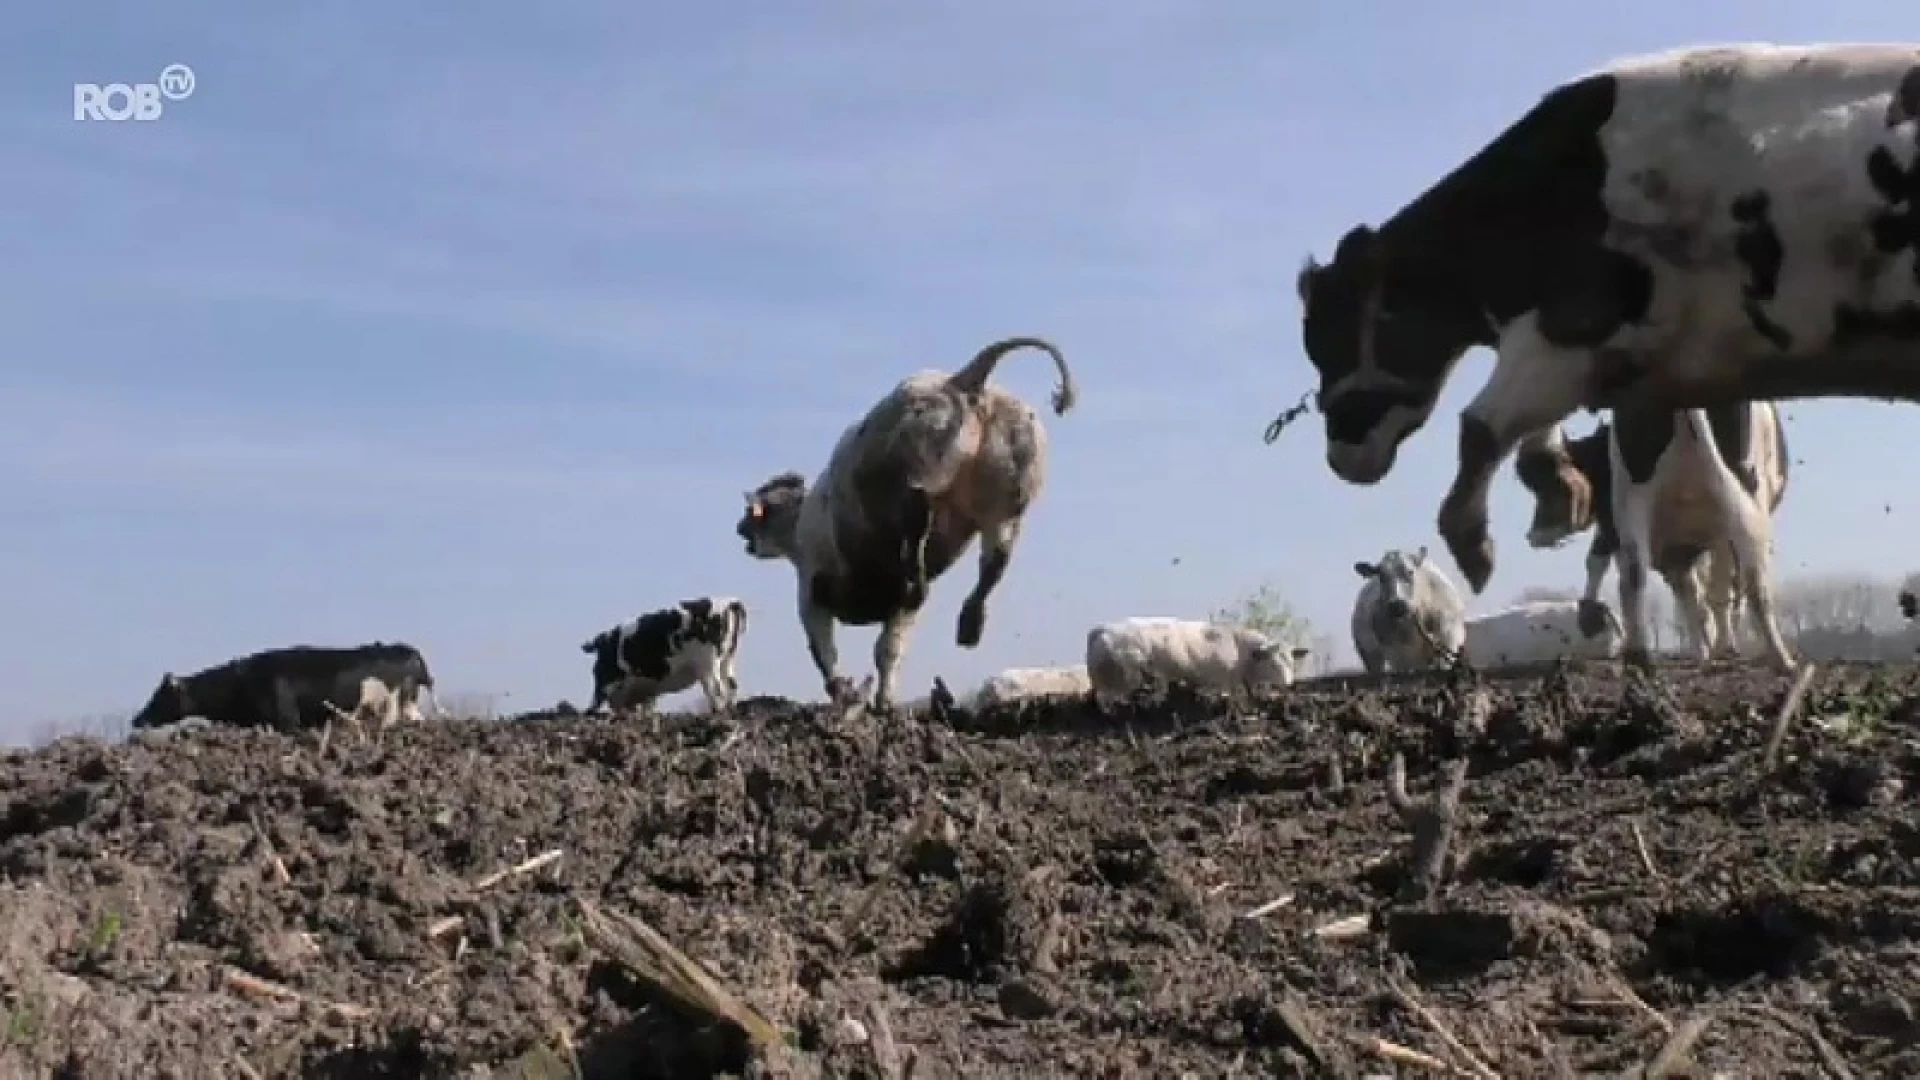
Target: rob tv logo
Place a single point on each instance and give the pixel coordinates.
(138, 101)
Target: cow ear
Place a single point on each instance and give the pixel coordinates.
(1365, 569)
(1420, 557)
(170, 681)
(1360, 243)
(1304, 283)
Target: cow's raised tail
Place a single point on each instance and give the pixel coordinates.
(973, 377)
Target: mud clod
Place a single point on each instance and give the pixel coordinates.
(1044, 890)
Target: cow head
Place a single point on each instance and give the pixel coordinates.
(1384, 335)
(169, 704)
(772, 517)
(1269, 666)
(1568, 481)
(1395, 572)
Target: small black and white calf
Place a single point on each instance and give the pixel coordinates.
(296, 687)
(667, 651)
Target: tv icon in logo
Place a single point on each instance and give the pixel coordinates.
(139, 101)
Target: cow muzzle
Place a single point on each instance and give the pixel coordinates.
(1361, 463)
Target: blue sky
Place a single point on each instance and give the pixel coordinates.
(467, 324)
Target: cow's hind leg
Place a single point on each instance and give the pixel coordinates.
(1750, 533)
(1685, 586)
(1752, 539)
(996, 552)
(1723, 599)
(1632, 512)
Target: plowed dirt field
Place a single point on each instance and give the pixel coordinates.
(1176, 888)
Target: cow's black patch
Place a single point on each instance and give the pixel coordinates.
(1897, 227)
(1642, 434)
(1645, 432)
(1758, 246)
(1593, 294)
(1852, 324)
(648, 651)
(878, 585)
(1353, 414)
(1905, 103)
(1517, 227)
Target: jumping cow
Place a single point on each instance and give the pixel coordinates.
(1129, 654)
(1680, 493)
(939, 460)
(297, 687)
(666, 651)
(1408, 616)
(1542, 631)
(1020, 684)
(1703, 227)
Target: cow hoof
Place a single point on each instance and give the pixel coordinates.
(1638, 659)
(1475, 560)
(973, 623)
(842, 692)
(1593, 618)
(1471, 548)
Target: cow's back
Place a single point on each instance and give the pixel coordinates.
(1167, 648)
(1524, 634)
(1780, 134)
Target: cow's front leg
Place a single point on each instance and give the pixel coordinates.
(817, 620)
(1534, 385)
(996, 553)
(888, 650)
(1593, 610)
(1633, 515)
(1723, 599)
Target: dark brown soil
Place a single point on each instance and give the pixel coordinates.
(1047, 892)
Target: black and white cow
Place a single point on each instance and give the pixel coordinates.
(1704, 227)
(297, 687)
(1669, 491)
(666, 651)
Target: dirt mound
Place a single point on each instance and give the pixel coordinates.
(1170, 889)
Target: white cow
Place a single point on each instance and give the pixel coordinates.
(1126, 655)
(1408, 616)
(1690, 494)
(1538, 633)
(1018, 684)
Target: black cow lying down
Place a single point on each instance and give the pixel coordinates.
(297, 687)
